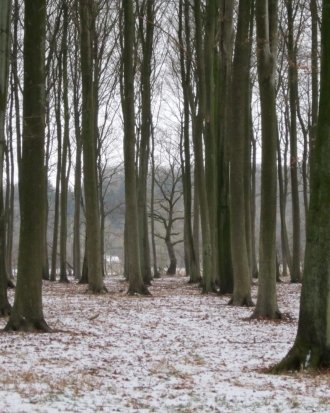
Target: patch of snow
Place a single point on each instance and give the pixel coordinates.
(176, 351)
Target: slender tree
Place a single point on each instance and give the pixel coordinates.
(184, 36)
(293, 96)
(146, 13)
(132, 244)
(27, 313)
(266, 18)
(5, 12)
(93, 230)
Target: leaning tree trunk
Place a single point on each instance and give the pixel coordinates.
(266, 18)
(312, 345)
(27, 311)
(5, 10)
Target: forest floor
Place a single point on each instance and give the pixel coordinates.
(176, 351)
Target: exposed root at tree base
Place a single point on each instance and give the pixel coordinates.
(242, 302)
(302, 357)
(97, 290)
(5, 310)
(27, 325)
(270, 316)
(143, 290)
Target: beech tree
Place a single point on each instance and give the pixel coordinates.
(132, 247)
(312, 345)
(240, 141)
(27, 313)
(93, 230)
(5, 10)
(266, 18)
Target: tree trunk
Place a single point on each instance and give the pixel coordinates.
(132, 253)
(239, 141)
(58, 94)
(5, 12)
(77, 178)
(170, 249)
(311, 349)
(266, 18)
(293, 97)
(65, 148)
(192, 268)
(94, 259)
(198, 131)
(225, 279)
(146, 30)
(27, 313)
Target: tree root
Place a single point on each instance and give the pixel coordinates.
(5, 310)
(241, 302)
(302, 357)
(27, 325)
(142, 290)
(259, 315)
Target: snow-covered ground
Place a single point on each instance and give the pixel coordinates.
(176, 351)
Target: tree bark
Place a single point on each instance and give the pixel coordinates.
(5, 12)
(266, 18)
(27, 313)
(94, 259)
(132, 245)
(311, 349)
(239, 142)
(293, 97)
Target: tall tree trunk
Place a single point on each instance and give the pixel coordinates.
(152, 205)
(286, 255)
(266, 18)
(293, 97)
(5, 12)
(132, 253)
(239, 143)
(198, 125)
(27, 313)
(315, 76)
(146, 30)
(311, 348)
(225, 280)
(192, 268)
(94, 259)
(65, 148)
(78, 167)
(58, 95)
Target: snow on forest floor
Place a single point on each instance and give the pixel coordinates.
(176, 351)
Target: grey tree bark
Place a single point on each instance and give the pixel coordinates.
(311, 348)
(266, 18)
(240, 139)
(27, 312)
(132, 244)
(93, 231)
(5, 13)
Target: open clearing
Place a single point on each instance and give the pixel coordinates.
(177, 351)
